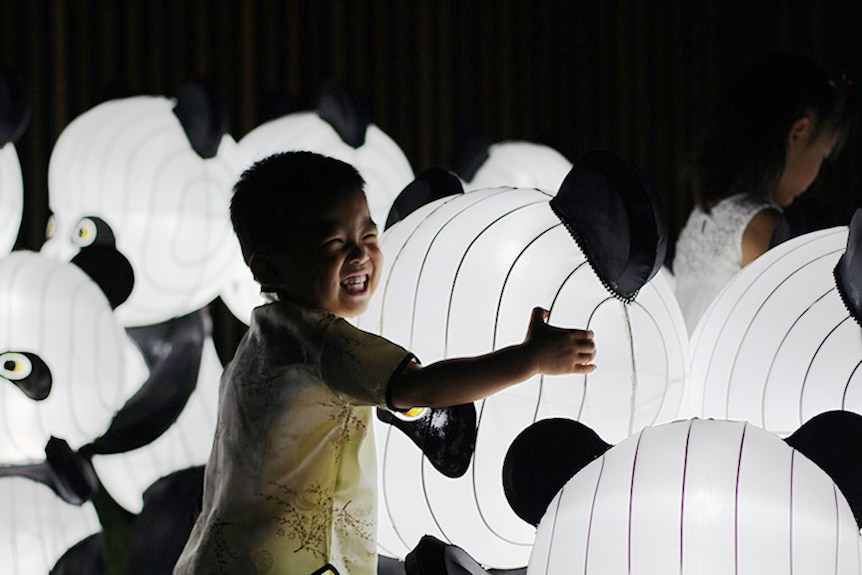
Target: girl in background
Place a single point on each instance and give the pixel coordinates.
(762, 147)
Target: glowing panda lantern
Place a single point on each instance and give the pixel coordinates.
(782, 342)
(14, 116)
(153, 176)
(461, 275)
(340, 129)
(514, 163)
(691, 496)
(62, 373)
(62, 355)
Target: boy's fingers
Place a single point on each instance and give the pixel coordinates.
(539, 315)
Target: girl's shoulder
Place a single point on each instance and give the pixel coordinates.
(742, 205)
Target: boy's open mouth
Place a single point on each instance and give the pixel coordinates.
(355, 284)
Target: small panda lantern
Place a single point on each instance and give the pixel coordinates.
(691, 496)
(461, 275)
(62, 354)
(783, 341)
(153, 176)
(62, 378)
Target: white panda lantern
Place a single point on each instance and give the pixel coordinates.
(62, 374)
(14, 116)
(147, 170)
(782, 342)
(461, 275)
(337, 128)
(691, 496)
(62, 356)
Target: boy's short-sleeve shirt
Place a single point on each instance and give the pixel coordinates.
(291, 481)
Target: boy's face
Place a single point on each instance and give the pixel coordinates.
(337, 260)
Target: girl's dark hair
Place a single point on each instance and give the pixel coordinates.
(742, 148)
(272, 197)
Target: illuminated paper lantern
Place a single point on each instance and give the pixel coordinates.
(338, 130)
(461, 275)
(520, 164)
(127, 171)
(699, 496)
(62, 356)
(778, 345)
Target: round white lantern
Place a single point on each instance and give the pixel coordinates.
(699, 496)
(778, 345)
(461, 275)
(129, 164)
(62, 356)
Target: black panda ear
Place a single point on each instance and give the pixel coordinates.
(474, 152)
(833, 440)
(432, 184)
(108, 268)
(344, 112)
(615, 218)
(203, 118)
(848, 270)
(540, 461)
(14, 107)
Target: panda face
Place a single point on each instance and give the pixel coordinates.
(62, 356)
(126, 168)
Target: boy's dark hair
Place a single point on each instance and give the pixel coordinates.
(273, 195)
(743, 146)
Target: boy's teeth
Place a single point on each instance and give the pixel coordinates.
(354, 282)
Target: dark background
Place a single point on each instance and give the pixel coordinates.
(630, 77)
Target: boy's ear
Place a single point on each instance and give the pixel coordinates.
(800, 132)
(262, 269)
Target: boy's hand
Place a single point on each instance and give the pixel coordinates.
(557, 350)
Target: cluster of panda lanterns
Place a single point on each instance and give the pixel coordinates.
(461, 275)
(139, 189)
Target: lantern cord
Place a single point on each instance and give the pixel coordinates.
(634, 393)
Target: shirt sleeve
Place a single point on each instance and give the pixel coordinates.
(359, 364)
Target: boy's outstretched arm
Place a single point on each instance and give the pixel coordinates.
(546, 349)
